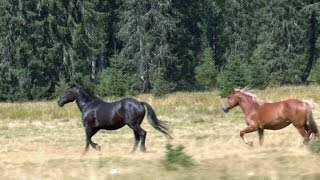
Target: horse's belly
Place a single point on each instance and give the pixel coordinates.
(276, 126)
(114, 126)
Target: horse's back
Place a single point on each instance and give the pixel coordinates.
(295, 106)
(280, 114)
(132, 106)
(289, 105)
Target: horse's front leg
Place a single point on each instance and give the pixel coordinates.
(248, 129)
(89, 133)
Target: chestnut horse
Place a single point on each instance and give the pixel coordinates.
(261, 115)
(98, 114)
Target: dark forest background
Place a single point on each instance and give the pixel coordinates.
(124, 47)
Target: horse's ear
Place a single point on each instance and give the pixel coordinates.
(247, 88)
(235, 90)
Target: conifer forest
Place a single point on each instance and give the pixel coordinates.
(125, 47)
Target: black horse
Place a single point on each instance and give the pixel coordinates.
(97, 114)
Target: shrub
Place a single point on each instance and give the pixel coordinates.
(175, 158)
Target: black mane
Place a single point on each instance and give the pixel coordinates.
(84, 93)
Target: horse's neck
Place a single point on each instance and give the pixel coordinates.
(81, 104)
(247, 104)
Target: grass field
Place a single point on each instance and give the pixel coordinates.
(40, 140)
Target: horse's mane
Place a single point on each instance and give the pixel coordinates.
(86, 94)
(248, 91)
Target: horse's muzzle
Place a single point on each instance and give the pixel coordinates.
(225, 109)
(60, 103)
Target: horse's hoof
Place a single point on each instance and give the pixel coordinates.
(98, 148)
(143, 150)
(250, 143)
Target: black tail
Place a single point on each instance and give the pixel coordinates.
(311, 123)
(155, 122)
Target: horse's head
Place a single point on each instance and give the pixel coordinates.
(69, 96)
(232, 101)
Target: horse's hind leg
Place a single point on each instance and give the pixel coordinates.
(260, 132)
(309, 131)
(304, 134)
(89, 133)
(142, 135)
(136, 141)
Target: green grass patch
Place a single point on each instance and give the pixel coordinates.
(176, 158)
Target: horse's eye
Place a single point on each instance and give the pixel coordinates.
(228, 97)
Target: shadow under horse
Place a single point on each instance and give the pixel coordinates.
(262, 115)
(98, 114)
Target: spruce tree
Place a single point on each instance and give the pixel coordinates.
(233, 75)
(206, 72)
(146, 27)
(113, 81)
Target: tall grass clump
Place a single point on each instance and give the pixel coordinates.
(176, 158)
(314, 146)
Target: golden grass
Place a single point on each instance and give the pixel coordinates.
(39, 140)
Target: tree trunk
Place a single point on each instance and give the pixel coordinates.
(93, 68)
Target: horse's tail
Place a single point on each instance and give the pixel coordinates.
(311, 123)
(155, 122)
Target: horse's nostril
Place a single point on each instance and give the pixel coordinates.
(225, 109)
(60, 104)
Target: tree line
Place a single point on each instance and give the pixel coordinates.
(121, 47)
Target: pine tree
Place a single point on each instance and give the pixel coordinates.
(77, 28)
(113, 81)
(233, 75)
(160, 85)
(188, 42)
(213, 23)
(145, 29)
(282, 43)
(311, 10)
(25, 42)
(206, 72)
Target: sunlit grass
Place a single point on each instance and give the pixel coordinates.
(40, 140)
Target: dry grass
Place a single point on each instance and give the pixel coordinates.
(39, 140)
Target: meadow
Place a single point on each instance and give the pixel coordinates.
(40, 140)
